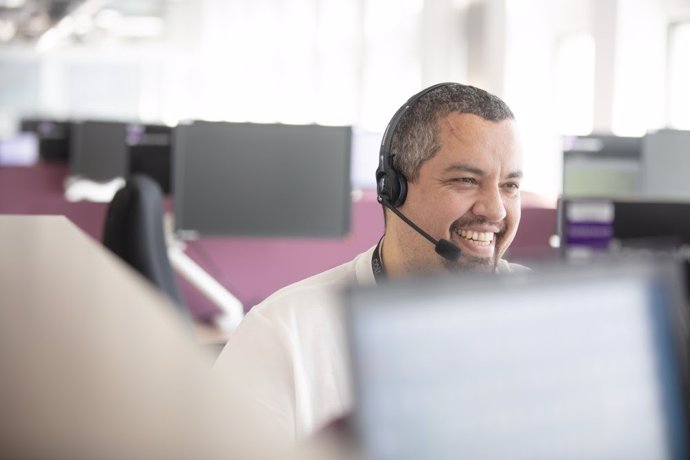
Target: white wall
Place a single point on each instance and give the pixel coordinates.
(639, 87)
(630, 81)
(528, 89)
(303, 61)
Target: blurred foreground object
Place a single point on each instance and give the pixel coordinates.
(96, 362)
(565, 362)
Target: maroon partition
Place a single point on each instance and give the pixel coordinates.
(251, 268)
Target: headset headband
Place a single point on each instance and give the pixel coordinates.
(391, 185)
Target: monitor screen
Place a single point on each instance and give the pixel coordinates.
(98, 150)
(261, 180)
(601, 165)
(569, 364)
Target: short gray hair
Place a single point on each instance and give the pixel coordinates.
(415, 139)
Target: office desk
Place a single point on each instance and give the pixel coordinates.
(95, 363)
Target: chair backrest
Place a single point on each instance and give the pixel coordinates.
(134, 231)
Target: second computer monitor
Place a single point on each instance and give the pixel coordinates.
(275, 180)
(98, 150)
(590, 228)
(665, 164)
(590, 225)
(53, 137)
(150, 152)
(601, 165)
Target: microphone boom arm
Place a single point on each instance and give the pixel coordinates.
(410, 223)
(443, 247)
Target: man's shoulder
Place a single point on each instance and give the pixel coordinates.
(321, 286)
(326, 280)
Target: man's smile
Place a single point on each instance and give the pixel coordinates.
(481, 238)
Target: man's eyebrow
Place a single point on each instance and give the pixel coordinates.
(461, 167)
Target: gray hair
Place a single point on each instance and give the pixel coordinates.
(416, 136)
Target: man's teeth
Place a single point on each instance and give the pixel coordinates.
(481, 237)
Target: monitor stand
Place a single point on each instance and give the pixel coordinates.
(231, 309)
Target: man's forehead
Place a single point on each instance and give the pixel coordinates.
(466, 125)
(469, 129)
(478, 146)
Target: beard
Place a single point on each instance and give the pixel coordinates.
(467, 263)
(472, 263)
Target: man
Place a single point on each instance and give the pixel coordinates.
(450, 165)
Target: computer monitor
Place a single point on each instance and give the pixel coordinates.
(263, 180)
(573, 363)
(54, 137)
(592, 227)
(587, 226)
(98, 150)
(601, 165)
(150, 152)
(665, 164)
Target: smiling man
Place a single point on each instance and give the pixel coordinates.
(449, 175)
(451, 163)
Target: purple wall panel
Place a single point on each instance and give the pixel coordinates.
(39, 190)
(253, 268)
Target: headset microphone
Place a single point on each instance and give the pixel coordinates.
(443, 247)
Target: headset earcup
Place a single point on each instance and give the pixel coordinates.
(391, 187)
(381, 192)
(399, 191)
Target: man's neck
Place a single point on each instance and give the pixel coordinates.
(393, 259)
(389, 259)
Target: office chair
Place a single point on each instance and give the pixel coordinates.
(134, 231)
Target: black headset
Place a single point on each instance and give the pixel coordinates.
(391, 185)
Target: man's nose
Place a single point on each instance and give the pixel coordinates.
(490, 205)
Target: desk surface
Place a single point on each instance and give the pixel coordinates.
(96, 364)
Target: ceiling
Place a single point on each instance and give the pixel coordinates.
(26, 21)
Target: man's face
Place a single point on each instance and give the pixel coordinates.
(468, 193)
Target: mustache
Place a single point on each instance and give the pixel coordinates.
(467, 221)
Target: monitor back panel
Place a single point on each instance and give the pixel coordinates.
(98, 150)
(53, 137)
(150, 153)
(665, 164)
(262, 180)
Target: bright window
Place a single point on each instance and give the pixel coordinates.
(574, 84)
(679, 76)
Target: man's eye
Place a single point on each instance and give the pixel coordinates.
(512, 186)
(466, 180)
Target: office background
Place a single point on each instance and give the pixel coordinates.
(566, 67)
(88, 337)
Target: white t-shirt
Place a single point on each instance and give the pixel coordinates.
(288, 360)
